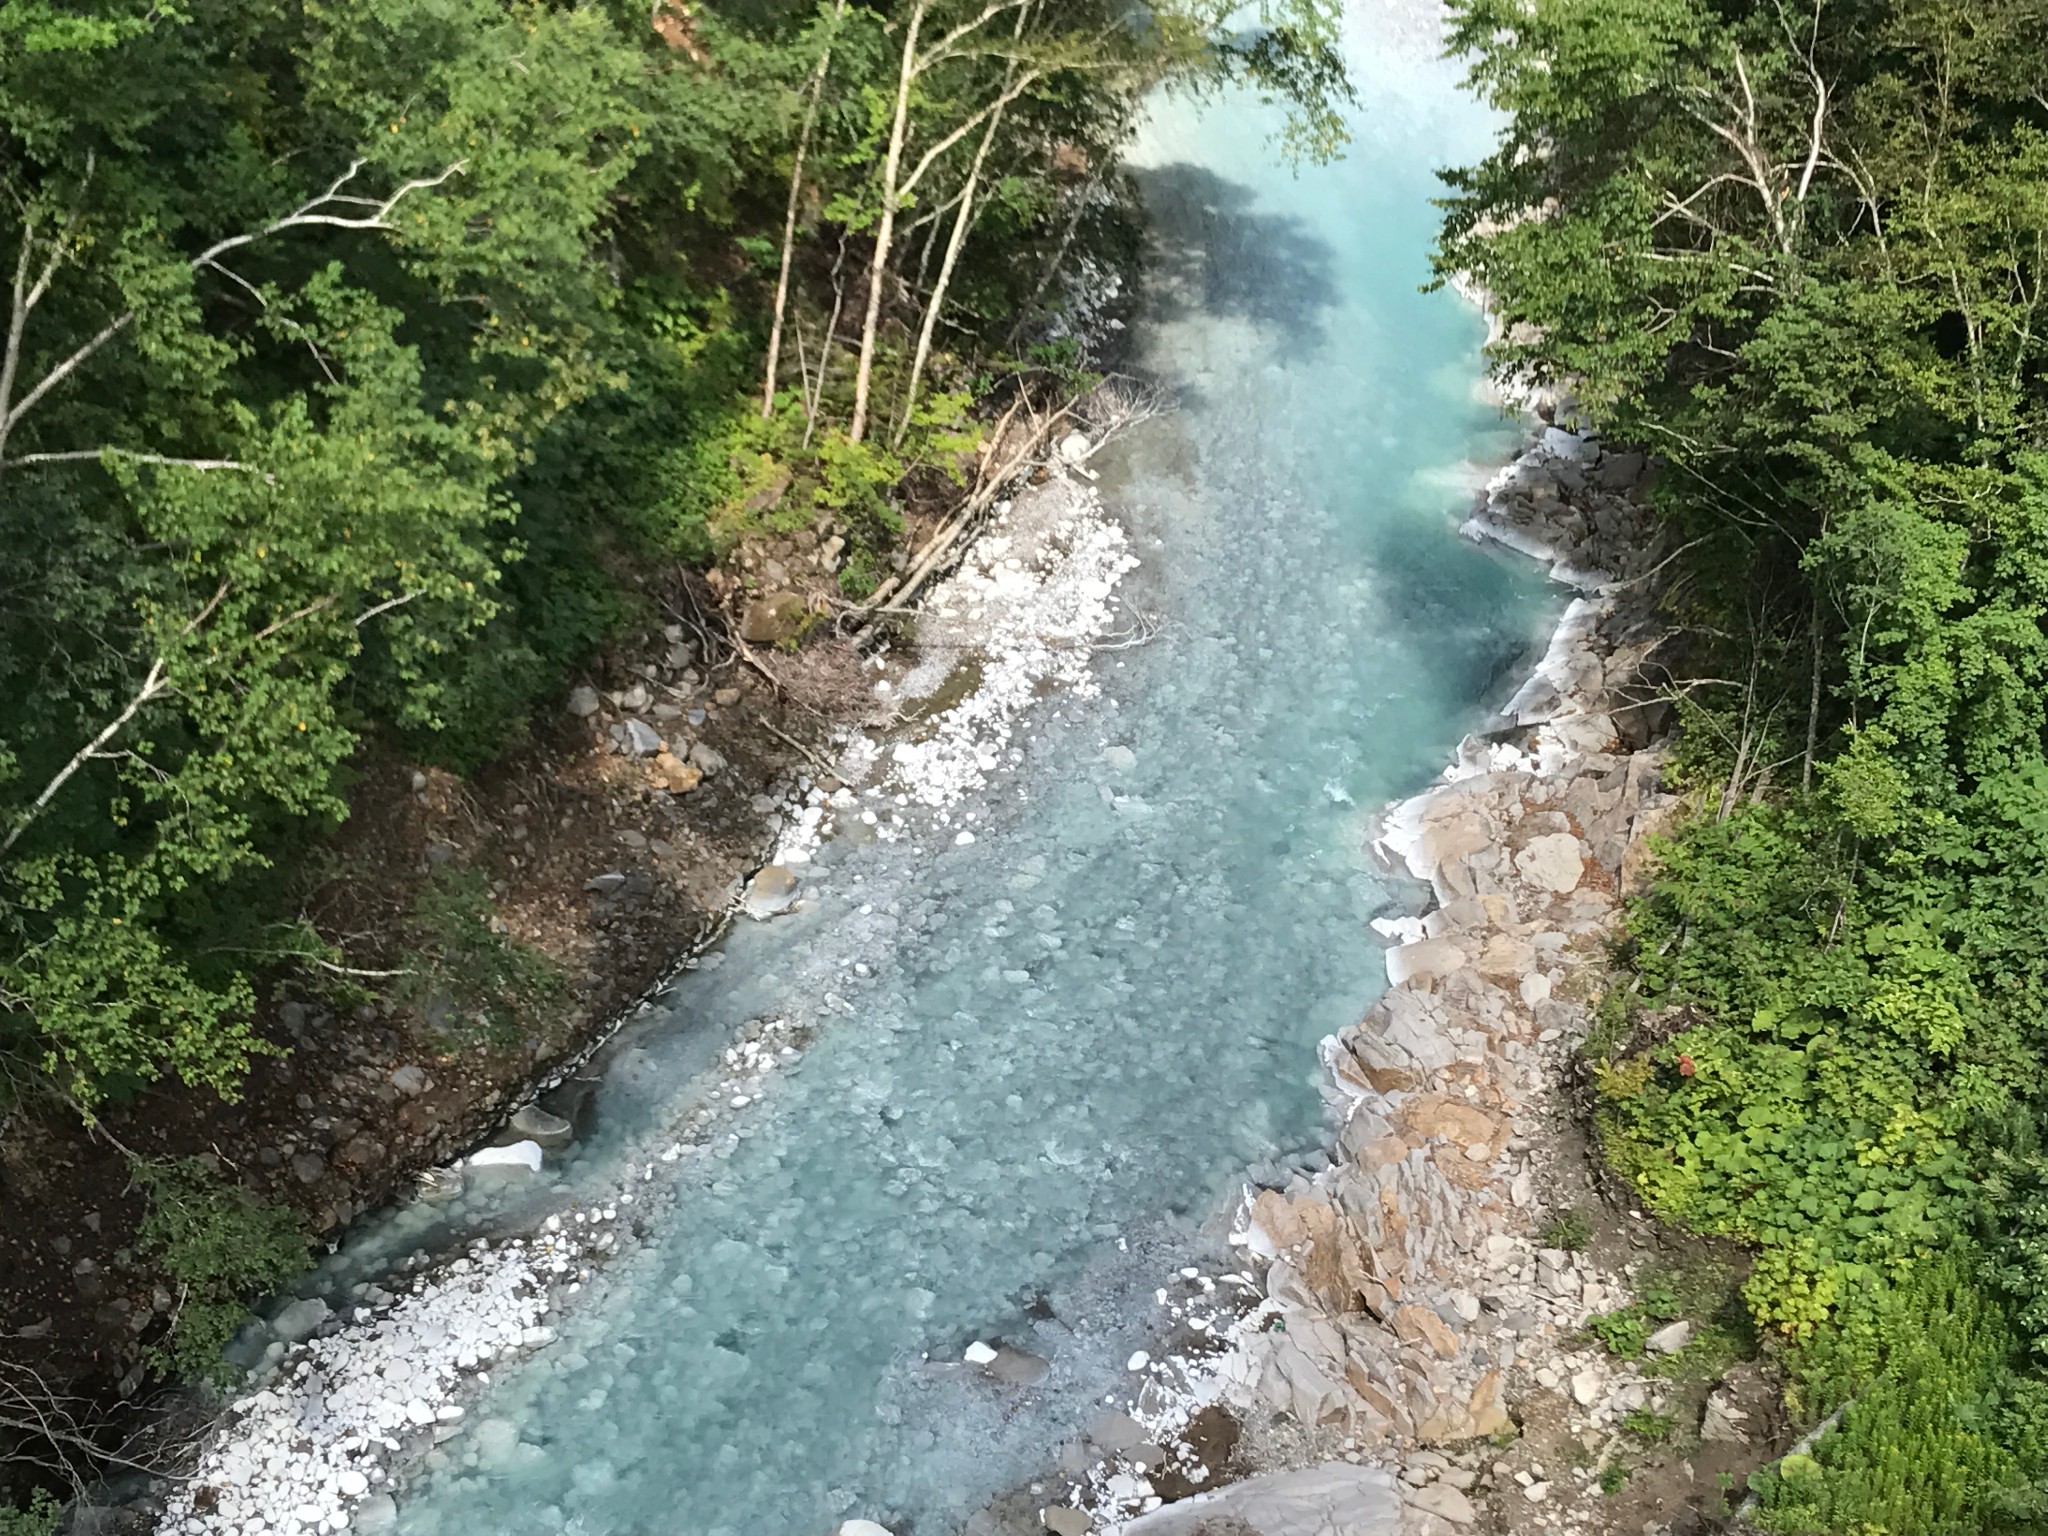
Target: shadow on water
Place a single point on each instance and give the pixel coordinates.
(1216, 255)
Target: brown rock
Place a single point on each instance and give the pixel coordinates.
(1377, 1063)
(1378, 1401)
(1447, 1424)
(1459, 1169)
(1417, 1324)
(773, 619)
(1488, 1414)
(673, 774)
(1376, 1155)
(1319, 1241)
(1437, 1114)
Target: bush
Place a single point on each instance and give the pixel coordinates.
(41, 1518)
(463, 971)
(219, 1248)
(1647, 1425)
(1944, 1436)
(1569, 1230)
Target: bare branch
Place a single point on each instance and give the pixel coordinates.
(153, 686)
(81, 455)
(384, 607)
(315, 211)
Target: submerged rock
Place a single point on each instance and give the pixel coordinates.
(435, 1184)
(771, 892)
(535, 1124)
(1017, 1367)
(300, 1319)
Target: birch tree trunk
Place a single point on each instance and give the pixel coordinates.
(796, 183)
(963, 219)
(885, 229)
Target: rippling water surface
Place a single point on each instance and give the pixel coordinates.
(1074, 1034)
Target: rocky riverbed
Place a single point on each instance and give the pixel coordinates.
(359, 1383)
(1418, 1362)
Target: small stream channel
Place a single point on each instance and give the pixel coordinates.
(1044, 1060)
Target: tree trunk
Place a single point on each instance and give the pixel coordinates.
(817, 400)
(1813, 695)
(885, 229)
(963, 219)
(796, 184)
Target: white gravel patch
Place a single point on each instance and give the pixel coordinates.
(312, 1449)
(1031, 599)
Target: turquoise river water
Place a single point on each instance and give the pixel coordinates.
(965, 1154)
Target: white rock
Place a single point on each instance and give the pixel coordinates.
(1445, 1502)
(521, 1154)
(1138, 1362)
(1553, 862)
(353, 1484)
(862, 1528)
(1586, 1388)
(1669, 1339)
(1536, 1493)
(978, 1353)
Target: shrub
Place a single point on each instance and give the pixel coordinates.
(41, 1518)
(1569, 1230)
(1944, 1436)
(219, 1248)
(463, 969)
(1647, 1425)
(1623, 1332)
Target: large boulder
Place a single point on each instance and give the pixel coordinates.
(1555, 862)
(774, 618)
(1316, 1501)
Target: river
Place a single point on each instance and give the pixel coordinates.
(1057, 1049)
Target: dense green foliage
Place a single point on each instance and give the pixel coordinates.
(42, 1517)
(1800, 254)
(219, 1248)
(354, 352)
